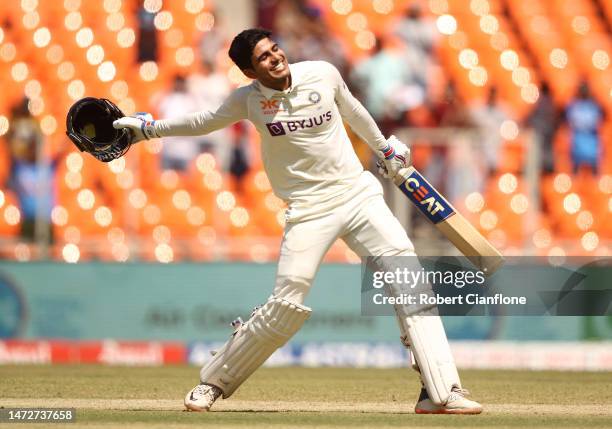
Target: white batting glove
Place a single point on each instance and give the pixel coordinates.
(393, 158)
(141, 126)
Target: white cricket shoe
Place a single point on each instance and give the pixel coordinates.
(457, 403)
(201, 397)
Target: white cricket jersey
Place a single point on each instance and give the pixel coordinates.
(306, 152)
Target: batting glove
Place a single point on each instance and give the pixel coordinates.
(394, 157)
(141, 126)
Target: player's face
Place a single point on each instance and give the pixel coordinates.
(270, 65)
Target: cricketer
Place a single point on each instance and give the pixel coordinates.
(298, 110)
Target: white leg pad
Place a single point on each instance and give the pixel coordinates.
(429, 348)
(270, 327)
(406, 343)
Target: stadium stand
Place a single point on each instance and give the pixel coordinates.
(55, 52)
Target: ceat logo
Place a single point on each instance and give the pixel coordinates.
(426, 198)
(420, 193)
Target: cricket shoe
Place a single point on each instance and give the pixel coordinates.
(201, 397)
(456, 403)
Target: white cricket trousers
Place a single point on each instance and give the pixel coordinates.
(366, 225)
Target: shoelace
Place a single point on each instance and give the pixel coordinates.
(207, 391)
(457, 393)
(461, 391)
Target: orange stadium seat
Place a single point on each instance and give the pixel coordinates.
(5, 161)
(561, 150)
(555, 41)
(10, 214)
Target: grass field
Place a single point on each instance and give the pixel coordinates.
(299, 397)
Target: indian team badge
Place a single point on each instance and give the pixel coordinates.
(314, 97)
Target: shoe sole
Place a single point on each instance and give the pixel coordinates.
(464, 411)
(191, 407)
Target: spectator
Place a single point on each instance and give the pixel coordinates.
(177, 152)
(266, 13)
(303, 34)
(32, 177)
(287, 23)
(239, 164)
(416, 32)
(318, 41)
(209, 88)
(212, 42)
(378, 79)
(449, 162)
(147, 36)
(544, 121)
(584, 117)
(489, 119)
(451, 111)
(418, 36)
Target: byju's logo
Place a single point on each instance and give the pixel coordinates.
(280, 129)
(276, 129)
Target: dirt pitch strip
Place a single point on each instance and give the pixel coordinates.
(297, 397)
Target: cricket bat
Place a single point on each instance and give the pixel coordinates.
(448, 220)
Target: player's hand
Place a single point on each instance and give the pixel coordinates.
(141, 126)
(393, 158)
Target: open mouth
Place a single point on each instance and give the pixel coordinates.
(279, 67)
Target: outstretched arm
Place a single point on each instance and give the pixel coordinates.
(144, 127)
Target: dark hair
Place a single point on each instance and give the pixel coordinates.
(242, 46)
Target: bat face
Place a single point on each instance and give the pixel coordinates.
(451, 223)
(425, 196)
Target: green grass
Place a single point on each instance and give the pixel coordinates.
(300, 397)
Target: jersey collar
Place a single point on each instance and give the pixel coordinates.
(296, 77)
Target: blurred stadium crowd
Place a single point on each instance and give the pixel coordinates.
(506, 105)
